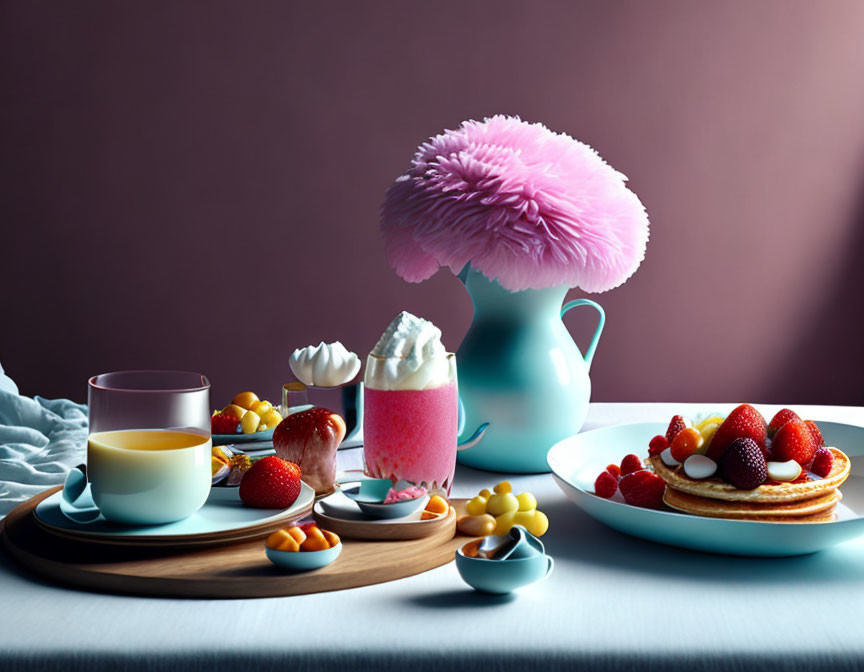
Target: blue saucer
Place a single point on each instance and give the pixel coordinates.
(378, 509)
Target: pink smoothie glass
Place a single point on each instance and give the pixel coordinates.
(409, 434)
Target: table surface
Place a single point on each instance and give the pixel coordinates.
(613, 602)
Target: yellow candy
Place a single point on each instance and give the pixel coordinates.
(476, 526)
(504, 522)
(527, 501)
(245, 400)
(503, 488)
(502, 503)
(234, 410)
(707, 433)
(271, 418)
(476, 506)
(710, 420)
(250, 422)
(535, 522)
(262, 408)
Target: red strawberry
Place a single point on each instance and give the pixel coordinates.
(823, 462)
(781, 418)
(631, 463)
(643, 488)
(793, 441)
(605, 485)
(222, 423)
(676, 424)
(615, 470)
(657, 445)
(815, 432)
(744, 422)
(271, 483)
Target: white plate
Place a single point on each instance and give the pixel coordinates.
(577, 461)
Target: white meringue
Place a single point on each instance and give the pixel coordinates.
(324, 365)
(667, 458)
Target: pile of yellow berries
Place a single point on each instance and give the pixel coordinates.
(496, 512)
(254, 414)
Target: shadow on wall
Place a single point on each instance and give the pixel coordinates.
(835, 325)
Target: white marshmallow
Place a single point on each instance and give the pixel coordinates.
(699, 467)
(667, 458)
(784, 471)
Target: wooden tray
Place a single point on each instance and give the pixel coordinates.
(236, 571)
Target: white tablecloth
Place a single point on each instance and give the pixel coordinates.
(613, 602)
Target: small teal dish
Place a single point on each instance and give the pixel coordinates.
(225, 439)
(303, 561)
(501, 577)
(378, 509)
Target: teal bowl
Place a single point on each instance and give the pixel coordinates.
(303, 561)
(500, 577)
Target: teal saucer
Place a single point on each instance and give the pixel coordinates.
(222, 514)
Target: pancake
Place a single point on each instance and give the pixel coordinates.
(814, 510)
(715, 488)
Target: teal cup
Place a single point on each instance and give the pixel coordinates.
(500, 577)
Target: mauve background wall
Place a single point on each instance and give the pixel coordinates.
(196, 184)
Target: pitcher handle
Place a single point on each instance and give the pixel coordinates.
(592, 346)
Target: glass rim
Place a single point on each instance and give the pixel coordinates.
(205, 382)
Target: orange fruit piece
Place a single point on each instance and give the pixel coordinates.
(315, 540)
(331, 537)
(298, 534)
(686, 443)
(437, 506)
(281, 540)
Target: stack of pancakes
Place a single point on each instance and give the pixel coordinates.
(810, 501)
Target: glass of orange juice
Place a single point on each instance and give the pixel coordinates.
(149, 448)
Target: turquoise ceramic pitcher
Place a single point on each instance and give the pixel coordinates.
(520, 371)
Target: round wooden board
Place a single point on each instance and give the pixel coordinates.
(384, 530)
(236, 571)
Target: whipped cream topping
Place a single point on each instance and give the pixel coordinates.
(410, 356)
(324, 365)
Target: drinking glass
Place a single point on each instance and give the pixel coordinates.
(149, 448)
(411, 435)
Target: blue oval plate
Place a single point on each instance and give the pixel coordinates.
(576, 462)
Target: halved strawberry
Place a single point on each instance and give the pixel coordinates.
(744, 422)
(793, 441)
(643, 488)
(631, 463)
(780, 418)
(223, 423)
(676, 424)
(815, 432)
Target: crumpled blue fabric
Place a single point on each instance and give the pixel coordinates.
(40, 439)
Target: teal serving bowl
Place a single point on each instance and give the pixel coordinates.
(500, 577)
(303, 561)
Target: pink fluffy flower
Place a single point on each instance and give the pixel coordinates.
(526, 206)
